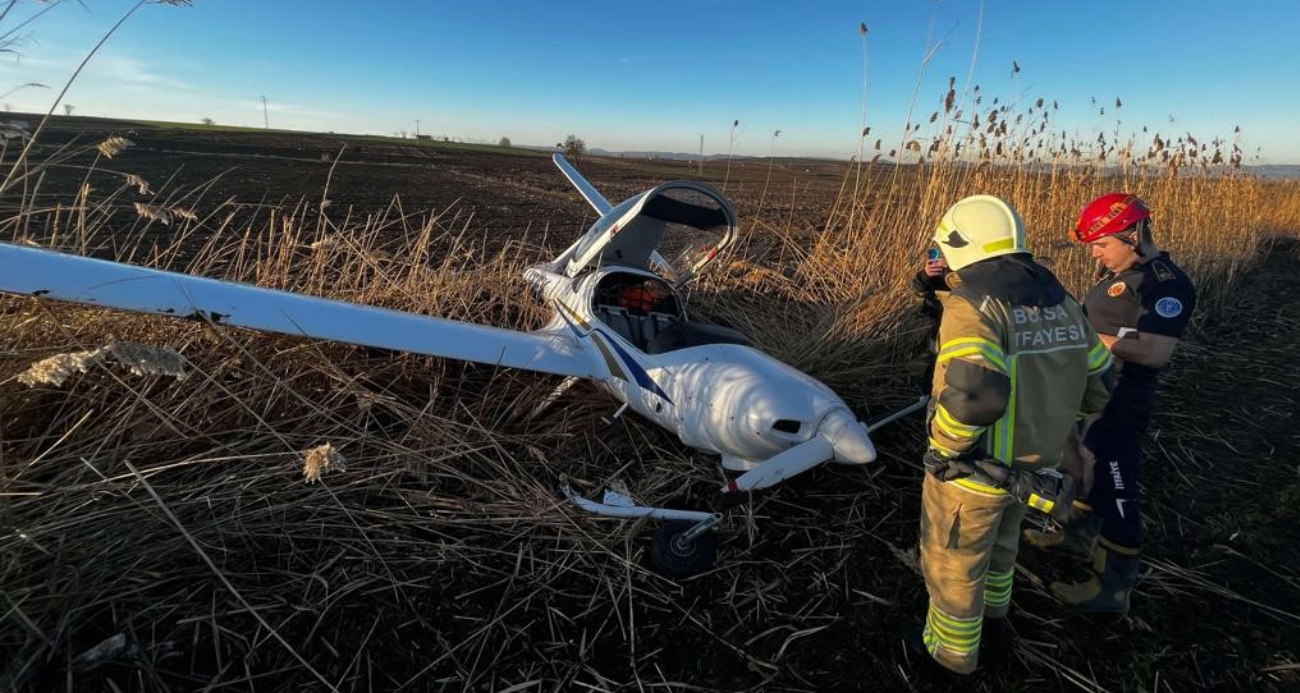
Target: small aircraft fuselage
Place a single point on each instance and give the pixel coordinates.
(706, 383)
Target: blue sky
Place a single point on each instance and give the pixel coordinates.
(626, 75)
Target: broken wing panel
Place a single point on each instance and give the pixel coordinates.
(106, 284)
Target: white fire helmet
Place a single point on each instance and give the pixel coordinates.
(977, 228)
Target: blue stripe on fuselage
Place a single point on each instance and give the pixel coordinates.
(577, 332)
(642, 377)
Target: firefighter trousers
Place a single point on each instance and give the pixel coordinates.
(1116, 441)
(969, 537)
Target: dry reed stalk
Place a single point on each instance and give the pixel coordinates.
(140, 359)
(450, 532)
(113, 146)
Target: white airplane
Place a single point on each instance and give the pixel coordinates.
(619, 320)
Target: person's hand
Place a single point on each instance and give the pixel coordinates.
(934, 268)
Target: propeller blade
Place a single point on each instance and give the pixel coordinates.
(784, 465)
(840, 437)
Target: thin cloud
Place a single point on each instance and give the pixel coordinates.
(117, 68)
(130, 70)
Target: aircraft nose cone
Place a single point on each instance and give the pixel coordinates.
(848, 438)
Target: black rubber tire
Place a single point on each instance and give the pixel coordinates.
(670, 561)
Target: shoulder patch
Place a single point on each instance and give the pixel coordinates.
(1169, 307)
(1163, 273)
(1116, 290)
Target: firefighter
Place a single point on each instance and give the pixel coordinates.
(1017, 367)
(1139, 306)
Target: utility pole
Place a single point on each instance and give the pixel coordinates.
(701, 154)
(417, 128)
(266, 119)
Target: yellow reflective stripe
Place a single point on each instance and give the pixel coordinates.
(998, 598)
(953, 638)
(1099, 357)
(1002, 578)
(997, 588)
(953, 428)
(994, 347)
(1037, 502)
(950, 421)
(977, 487)
(997, 245)
(956, 435)
(990, 350)
(958, 635)
(964, 625)
(993, 360)
(947, 451)
(931, 640)
(1005, 449)
(948, 633)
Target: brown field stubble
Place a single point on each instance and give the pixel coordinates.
(440, 556)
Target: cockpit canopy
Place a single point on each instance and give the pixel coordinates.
(674, 230)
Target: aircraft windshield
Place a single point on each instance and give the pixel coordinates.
(674, 230)
(695, 227)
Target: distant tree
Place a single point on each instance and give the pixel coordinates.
(504, 142)
(208, 121)
(68, 108)
(9, 107)
(574, 148)
(401, 134)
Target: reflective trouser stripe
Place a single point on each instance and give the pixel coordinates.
(958, 635)
(972, 485)
(997, 588)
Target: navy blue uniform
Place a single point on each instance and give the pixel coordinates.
(1154, 297)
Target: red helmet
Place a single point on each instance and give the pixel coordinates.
(1110, 214)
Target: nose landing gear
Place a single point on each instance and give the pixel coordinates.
(685, 545)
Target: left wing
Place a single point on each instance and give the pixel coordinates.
(62, 277)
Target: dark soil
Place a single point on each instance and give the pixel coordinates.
(501, 193)
(812, 600)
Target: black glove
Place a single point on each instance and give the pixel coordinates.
(1051, 494)
(923, 283)
(947, 468)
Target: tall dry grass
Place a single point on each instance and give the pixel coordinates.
(846, 274)
(159, 533)
(174, 513)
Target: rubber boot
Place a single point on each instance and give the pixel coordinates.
(1077, 538)
(1107, 589)
(996, 642)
